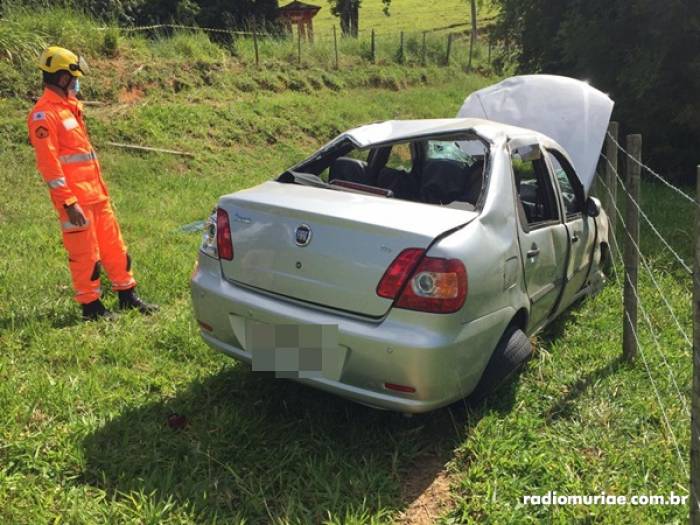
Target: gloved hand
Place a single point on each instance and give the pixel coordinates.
(75, 215)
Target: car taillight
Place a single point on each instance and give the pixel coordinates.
(397, 273)
(436, 285)
(224, 242)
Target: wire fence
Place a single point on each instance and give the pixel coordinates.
(654, 348)
(442, 46)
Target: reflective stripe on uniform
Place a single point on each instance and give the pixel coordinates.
(57, 183)
(97, 290)
(77, 157)
(123, 284)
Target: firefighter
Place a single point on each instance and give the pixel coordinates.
(69, 166)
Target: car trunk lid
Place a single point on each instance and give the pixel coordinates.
(352, 241)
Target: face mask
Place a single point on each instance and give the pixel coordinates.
(74, 86)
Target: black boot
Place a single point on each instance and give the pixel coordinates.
(96, 310)
(129, 300)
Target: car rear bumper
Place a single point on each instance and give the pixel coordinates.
(438, 355)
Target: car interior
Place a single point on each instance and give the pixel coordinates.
(433, 172)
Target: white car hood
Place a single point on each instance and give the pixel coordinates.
(569, 111)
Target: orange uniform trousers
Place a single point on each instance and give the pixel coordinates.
(97, 244)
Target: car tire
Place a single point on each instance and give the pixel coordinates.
(511, 352)
(606, 262)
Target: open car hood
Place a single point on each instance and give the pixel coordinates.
(567, 110)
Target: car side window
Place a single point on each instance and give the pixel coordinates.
(400, 158)
(565, 174)
(533, 186)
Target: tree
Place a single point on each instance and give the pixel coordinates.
(642, 52)
(349, 13)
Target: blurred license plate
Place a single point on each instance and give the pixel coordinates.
(294, 350)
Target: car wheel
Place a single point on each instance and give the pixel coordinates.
(512, 351)
(606, 262)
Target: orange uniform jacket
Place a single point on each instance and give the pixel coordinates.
(69, 166)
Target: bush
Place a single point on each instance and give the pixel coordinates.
(190, 45)
(110, 43)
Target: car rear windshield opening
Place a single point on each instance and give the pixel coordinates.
(447, 171)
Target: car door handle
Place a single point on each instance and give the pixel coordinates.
(534, 251)
(574, 237)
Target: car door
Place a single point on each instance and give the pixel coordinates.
(580, 227)
(542, 235)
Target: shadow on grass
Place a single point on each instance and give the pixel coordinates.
(256, 448)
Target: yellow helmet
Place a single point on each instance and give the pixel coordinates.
(57, 58)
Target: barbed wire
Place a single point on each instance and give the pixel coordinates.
(648, 268)
(658, 397)
(648, 220)
(658, 346)
(648, 169)
(180, 26)
(649, 324)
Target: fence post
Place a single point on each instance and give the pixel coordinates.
(299, 48)
(489, 59)
(401, 51)
(632, 171)
(449, 49)
(695, 420)
(423, 49)
(335, 44)
(471, 51)
(374, 48)
(255, 45)
(611, 180)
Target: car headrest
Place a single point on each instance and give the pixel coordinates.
(443, 181)
(345, 168)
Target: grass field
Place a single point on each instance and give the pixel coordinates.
(84, 434)
(405, 15)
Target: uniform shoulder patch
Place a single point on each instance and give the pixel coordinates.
(39, 115)
(41, 132)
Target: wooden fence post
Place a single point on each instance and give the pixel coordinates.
(632, 172)
(255, 45)
(374, 48)
(335, 45)
(424, 49)
(489, 59)
(449, 49)
(471, 51)
(401, 51)
(299, 48)
(610, 200)
(695, 419)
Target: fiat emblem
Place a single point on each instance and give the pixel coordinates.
(302, 235)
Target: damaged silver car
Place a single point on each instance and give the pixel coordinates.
(405, 263)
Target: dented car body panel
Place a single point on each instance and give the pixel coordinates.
(530, 241)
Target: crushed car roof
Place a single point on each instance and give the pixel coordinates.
(396, 130)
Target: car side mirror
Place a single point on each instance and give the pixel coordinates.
(592, 208)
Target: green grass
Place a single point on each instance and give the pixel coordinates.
(83, 426)
(404, 15)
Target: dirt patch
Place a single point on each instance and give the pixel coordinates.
(427, 490)
(130, 95)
